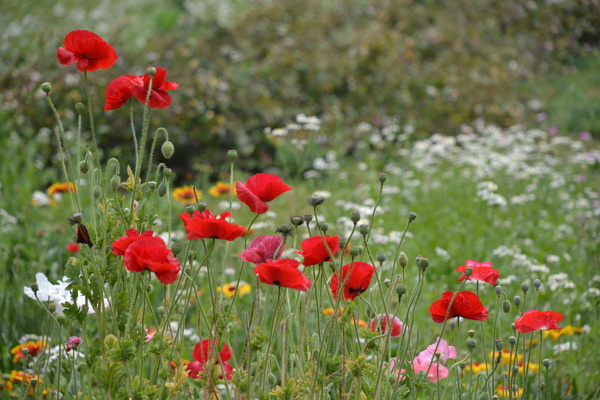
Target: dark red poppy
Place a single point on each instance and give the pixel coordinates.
(259, 190)
(359, 280)
(72, 248)
(88, 50)
(203, 353)
(465, 305)
(204, 225)
(481, 272)
(534, 320)
(381, 322)
(125, 87)
(148, 254)
(262, 249)
(120, 245)
(315, 252)
(83, 236)
(284, 273)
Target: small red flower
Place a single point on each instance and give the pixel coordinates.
(259, 190)
(381, 322)
(120, 245)
(72, 248)
(466, 305)
(284, 273)
(154, 256)
(125, 87)
(538, 321)
(88, 50)
(262, 249)
(204, 225)
(72, 343)
(203, 352)
(315, 252)
(481, 272)
(359, 280)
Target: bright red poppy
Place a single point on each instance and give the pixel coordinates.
(465, 305)
(125, 87)
(203, 353)
(534, 320)
(72, 248)
(359, 280)
(262, 249)
(260, 189)
(284, 273)
(88, 50)
(315, 252)
(481, 272)
(204, 225)
(148, 254)
(120, 245)
(380, 322)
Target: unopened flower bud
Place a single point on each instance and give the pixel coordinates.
(524, 287)
(167, 172)
(77, 218)
(61, 319)
(232, 155)
(356, 251)
(355, 216)
(498, 290)
(162, 189)
(452, 323)
(167, 149)
(80, 108)
(382, 177)
(25, 351)
(546, 363)
(471, 333)
(506, 306)
(97, 192)
(512, 340)
(412, 216)
(422, 263)
(471, 343)
(392, 378)
(272, 379)
(152, 186)
(537, 283)
(307, 217)
(517, 300)
(52, 307)
(468, 271)
(46, 87)
(202, 207)
(83, 167)
(381, 256)
(151, 71)
(190, 210)
(324, 226)
(403, 259)
(499, 344)
(72, 343)
(363, 229)
(34, 288)
(175, 249)
(400, 290)
(315, 200)
(115, 182)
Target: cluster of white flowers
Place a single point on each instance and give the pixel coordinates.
(560, 281)
(562, 347)
(486, 191)
(57, 294)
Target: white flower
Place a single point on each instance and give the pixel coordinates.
(56, 293)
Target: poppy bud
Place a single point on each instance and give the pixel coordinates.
(471, 333)
(61, 319)
(355, 216)
(151, 71)
(167, 172)
(392, 378)
(506, 306)
(34, 288)
(382, 177)
(356, 251)
(422, 263)
(307, 217)
(175, 248)
(412, 216)
(537, 283)
(517, 300)
(499, 344)
(83, 167)
(272, 379)
(363, 229)
(315, 200)
(452, 323)
(468, 271)
(190, 210)
(80, 108)
(115, 182)
(162, 189)
(167, 149)
(512, 340)
(524, 287)
(77, 218)
(232, 155)
(400, 289)
(546, 363)
(324, 227)
(296, 221)
(46, 87)
(403, 259)
(152, 186)
(471, 343)
(97, 192)
(381, 257)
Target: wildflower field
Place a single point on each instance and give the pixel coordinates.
(303, 251)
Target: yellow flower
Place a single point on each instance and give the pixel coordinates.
(506, 357)
(504, 391)
(60, 187)
(478, 367)
(531, 368)
(567, 330)
(185, 194)
(229, 289)
(221, 189)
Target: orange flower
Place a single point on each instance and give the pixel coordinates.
(185, 194)
(61, 187)
(34, 348)
(221, 189)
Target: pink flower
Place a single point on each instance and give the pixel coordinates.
(394, 368)
(72, 343)
(446, 352)
(435, 372)
(262, 249)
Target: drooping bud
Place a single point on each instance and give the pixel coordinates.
(363, 229)
(524, 287)
(115, 182)
(167, 149)
(151, 71)
(355, 216)
(162, 189)
(232, 155)
(382, 177)
(97, 192)
(83, 167)
(152, 186)
(403, 259)
(506, 306)
(381, 256)
(272, 379)
(412, 216)
(422, 263)
(46, 87)
(80, 108)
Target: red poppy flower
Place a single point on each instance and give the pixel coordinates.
(203, 353)
(538, 321)
(72, 248)
(154, 256)
(120, 245)
(466, 305)
(481, 272)
(125, 87)
(259, 190)
(204, 225)
(315, 252)
(262, 249)
(359, 280)
(88, 50)
(284, 273)
(381, 322)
